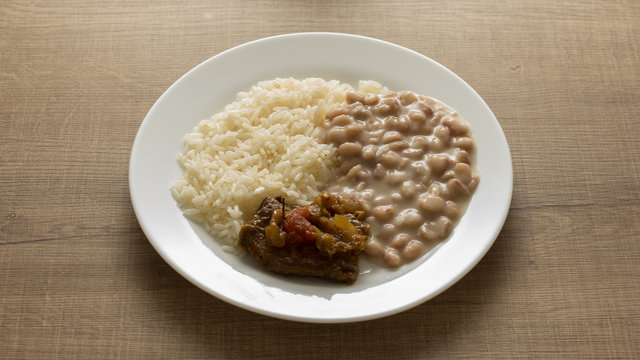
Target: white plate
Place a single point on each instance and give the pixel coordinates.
(204, 91)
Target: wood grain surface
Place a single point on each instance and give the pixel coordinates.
(79, 280)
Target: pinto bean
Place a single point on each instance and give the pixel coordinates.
(438, 163)
(413, 249)
(473, 183)
(417, 117)
(375, 125)
(420, 142)
(408, 189)
(442, 133)
(388, 230)
(413, 154)
(457, 126)
(382, 200)
(336, 135)
(347, 165)
(464, 143)
(335, 112)
(426, 109)
(462, 156)
(430, 203)
(462, 172)
(383, 213)
(390, 123)
(353, 97)
(375, 137)
(436, 188)
(350, 149)
(391, 136)
(396, 177)
(451, 210)
(355, 171)
(400, 240)
(403, 124)
(393, 104)
(456, 188)
(360, 113)
(369, 152)
(447, 175)
(371, 99)
(443, 226)
(409, 217)
(373, 247)
(427, 233)
(382, 109)
(435, 144)
(397, 146)
(422, 172)
(341, 120)
(392, 257)
(407, 98)
(389, 159)
(379, 172)
(352, 132)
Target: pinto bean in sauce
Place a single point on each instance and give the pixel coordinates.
(409, 160)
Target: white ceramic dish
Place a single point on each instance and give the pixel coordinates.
(204, 90)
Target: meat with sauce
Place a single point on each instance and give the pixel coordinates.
(324, 239)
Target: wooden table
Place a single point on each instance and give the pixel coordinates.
(78, 279)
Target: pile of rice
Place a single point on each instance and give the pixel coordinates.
(267, 142)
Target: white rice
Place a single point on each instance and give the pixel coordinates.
(267, 142)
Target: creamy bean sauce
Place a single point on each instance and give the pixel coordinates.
(408, 159)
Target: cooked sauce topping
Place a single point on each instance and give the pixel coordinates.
(323, 239)
(408, 160)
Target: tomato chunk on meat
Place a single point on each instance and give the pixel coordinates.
(299, 230)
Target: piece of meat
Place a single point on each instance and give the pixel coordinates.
(333, 255)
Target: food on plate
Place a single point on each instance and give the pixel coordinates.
(323, 239)
(266, 142)
(408, 159)
(405, 159)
